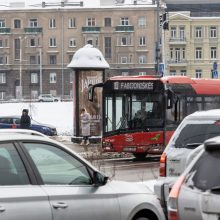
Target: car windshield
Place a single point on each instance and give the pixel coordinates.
(196, 133)
(203, 176)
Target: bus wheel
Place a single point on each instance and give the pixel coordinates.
(140, 156)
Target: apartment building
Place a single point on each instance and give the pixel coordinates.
(37, 44)
(191, 46)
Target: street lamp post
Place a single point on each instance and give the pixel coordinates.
(20, 71)
(41, 89)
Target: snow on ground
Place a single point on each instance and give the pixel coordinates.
(58, 114)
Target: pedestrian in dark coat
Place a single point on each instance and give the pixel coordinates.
(25, 122)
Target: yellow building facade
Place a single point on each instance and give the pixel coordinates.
(191, 46)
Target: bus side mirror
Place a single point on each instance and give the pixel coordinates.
(169, 99)
(90, 93)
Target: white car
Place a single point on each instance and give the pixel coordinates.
(196, 194)
(192, 132)
(48, 98)
(43, 179)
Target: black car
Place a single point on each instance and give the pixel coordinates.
(14, 122)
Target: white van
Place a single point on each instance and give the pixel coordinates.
(193, 131)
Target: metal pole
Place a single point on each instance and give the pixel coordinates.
(158, 36)
(20, 69)
(62, 54)
(41, 71)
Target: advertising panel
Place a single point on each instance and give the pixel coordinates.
(86, 78)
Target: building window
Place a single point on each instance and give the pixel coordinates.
(1, 59)
(124, 21)
(124, 73)
(142, 41)
(142, 59)
(198, 73)
(183, 53)
(52, 59)
(72, 22)
(33, 60)
(17, 47)
(2, 95)
(34, 94)
(124, 41)
(198, 53)
(108, 22)
(17, 23)
(213, 52)
(173, 32)
(34, 78)
(108, 47)
(183, 72)
(172, 72)
(2, 23)
(213, 32)
(91, 22)
(53, 77)
(182, 33)
(177, 54)
(2, 78)
(52, 42)
(198, 32)
(124, 60)
(52, 23)
(142, 22)
(72, 42)
(142, 73)
(33, 22)
(32, 42)
(171, 53)
(1, 43)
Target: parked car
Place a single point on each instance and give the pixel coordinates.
(196, 194)
(43, 179)
(48, 98)
(14, 122)
(192, 132)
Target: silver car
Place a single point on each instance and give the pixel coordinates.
(196, 194)
(42, 179)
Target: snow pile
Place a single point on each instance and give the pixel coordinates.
(58, 114)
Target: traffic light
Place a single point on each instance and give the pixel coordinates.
(164, 21)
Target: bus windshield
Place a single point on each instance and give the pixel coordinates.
(133, 111)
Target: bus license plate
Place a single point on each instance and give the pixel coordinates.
(130, 149)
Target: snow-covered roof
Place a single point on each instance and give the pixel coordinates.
(88, 57)
(30, 4)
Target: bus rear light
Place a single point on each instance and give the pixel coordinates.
(163, 161)
(173, 199)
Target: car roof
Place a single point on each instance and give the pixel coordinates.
(209, 114)
(12, 131)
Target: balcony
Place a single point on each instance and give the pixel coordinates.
(4, 30)
(33, 30)
(173, 63)
(123, 28)
(177, 41)
(89, 29)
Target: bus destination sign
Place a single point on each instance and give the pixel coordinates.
(122, 85)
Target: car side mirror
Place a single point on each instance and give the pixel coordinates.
(99, 179)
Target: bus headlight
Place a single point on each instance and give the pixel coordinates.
(107, 145)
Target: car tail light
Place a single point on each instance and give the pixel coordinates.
(173, 199)
(163, 161)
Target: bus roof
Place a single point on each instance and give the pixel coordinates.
(199, 86)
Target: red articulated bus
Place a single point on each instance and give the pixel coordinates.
(140, 113)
